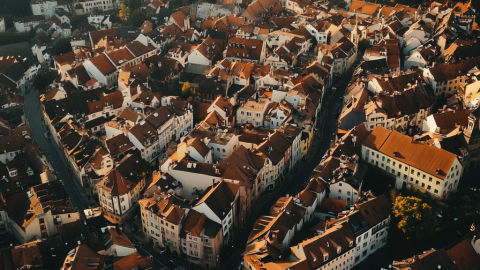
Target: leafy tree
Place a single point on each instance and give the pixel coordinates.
(61, 46)
(137, 18)
(42, 36)
(188, 91)
(134, 4)
(363, 45)
(416, 218)
(42, 80)
(124, 12)
(115, 18)
(185, 88)
(17, 8)
(8, 20)
(78, 21)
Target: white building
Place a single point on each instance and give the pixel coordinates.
(100, 68)
(219, 203)
(162, 217)
(253, 112)
(2, 25)
(26, 24)
(411, 162)
(120, 190)
(90, 6)
(40, 219)
(45, 7)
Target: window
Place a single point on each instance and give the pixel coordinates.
(435, 191)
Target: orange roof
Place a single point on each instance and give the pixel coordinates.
(133, 261)
(102, 63)
(120, 56)
(416, 154)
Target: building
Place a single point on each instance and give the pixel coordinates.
(221, 203)
(340, 243)
(202, 240)
(465, 254)
(39, 212)
(92, 6)
(26, 24)
(245, 50)
(447, 79)
(120, 190)
(2, 25)
(253, 112)
(162, 217)
(46, 7)
(411, 164)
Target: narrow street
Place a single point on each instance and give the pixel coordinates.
(299, 177)
(35, 118)
(295, 181)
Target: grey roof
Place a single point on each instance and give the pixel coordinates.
(22, 48)
(358, 223)
(196, 68)
(129, 32)
(211, 228)
(65, 26)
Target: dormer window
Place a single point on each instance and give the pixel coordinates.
(325, 257)
(339, 250)
(13, 172)
(350, 244)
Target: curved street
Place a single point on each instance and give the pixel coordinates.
(35, 118)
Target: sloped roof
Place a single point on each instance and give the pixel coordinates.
(405, 149)
(219, 198)
(103, 64)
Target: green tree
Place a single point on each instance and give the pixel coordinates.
(416, 218)
(188, 91)
(186, 88)
(124, 12)
(115, 18)
(363, 45)
(137, 18)
(78, 21)
(8, 20)
(134, 4)
(42, 80)
(42, 36)
(61, 46)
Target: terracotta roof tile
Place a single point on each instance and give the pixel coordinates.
(103, 64)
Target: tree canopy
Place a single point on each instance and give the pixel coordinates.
(187, 91)
(137, 18)
(42, 79)
(42, 36)
(124, 12)
(363, 45)
(416, 218)
(134, 4)
(61, 46)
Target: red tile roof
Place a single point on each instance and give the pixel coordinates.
(102, 63)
